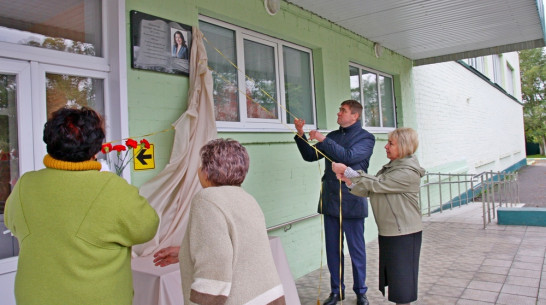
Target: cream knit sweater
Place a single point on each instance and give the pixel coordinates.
(225, 257)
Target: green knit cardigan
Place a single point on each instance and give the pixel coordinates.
(75, 227)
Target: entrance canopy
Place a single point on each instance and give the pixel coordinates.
(432, 31)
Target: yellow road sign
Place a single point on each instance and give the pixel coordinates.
(144, 158)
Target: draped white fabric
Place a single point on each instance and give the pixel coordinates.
(162, 286)
(171, 191)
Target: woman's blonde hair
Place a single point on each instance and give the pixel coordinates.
(407, 140)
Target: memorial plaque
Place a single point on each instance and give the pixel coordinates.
(159, 44)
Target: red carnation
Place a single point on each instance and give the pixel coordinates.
(146, 143)
(106, 148)
(119, 148)
(131, 143)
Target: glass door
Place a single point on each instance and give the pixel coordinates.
(55, 87)
(15, 122)
(29, 93)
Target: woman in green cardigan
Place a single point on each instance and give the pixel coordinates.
(76, 225)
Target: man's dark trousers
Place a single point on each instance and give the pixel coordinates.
(353, 228)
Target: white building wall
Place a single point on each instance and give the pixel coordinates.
(465, 124)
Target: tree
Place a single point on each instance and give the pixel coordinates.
(533, 88)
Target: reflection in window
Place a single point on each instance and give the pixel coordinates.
(9, 157)
(261, 87)
(375, 91)
(226, 105)
(354, 79)
(68, 26)
(387, 102)
(298, 84)
(371, 99)
(69, 90)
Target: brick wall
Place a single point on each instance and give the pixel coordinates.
(465, 124)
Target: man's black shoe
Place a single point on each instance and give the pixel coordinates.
(333, 299)
(361, 299)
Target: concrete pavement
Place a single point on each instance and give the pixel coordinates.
(532, 183)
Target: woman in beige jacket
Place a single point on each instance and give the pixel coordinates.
(394, 197)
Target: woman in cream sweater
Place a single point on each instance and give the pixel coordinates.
(225, 257)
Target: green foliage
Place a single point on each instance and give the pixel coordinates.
(533, 88)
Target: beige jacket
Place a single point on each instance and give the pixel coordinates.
(394, 196)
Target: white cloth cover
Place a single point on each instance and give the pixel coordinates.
(171, 191)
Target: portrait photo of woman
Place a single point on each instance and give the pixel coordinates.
(180, 48)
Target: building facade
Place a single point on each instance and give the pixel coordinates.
(83, 52)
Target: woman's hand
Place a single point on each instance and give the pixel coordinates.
(166, 256)
(339, 168)
(347, 181)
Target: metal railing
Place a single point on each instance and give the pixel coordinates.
(493, 188)
(498, 188)
(288, 225)
(461, 180)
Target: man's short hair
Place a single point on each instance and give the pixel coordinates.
(355, 106)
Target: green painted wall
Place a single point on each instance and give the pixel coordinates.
(285, 186)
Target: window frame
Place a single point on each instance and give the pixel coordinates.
(375, 129)
(255, 124)
(477, 63)
(39, 106)
(243, 80)
(510, 76)
(497, 69)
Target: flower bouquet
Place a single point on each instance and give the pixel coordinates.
(123, 155)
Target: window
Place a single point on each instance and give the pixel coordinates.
(476, 63)
(69, 90)
(73, 27)
(509, 79)
(259, 82)
(375, 91)
(71, 56)
(497, 72)
(9, 159)
(9, 165)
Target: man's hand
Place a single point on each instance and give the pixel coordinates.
(166, 256)
(316, 135)
(298, 123)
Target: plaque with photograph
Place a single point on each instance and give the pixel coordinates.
(159, 44)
